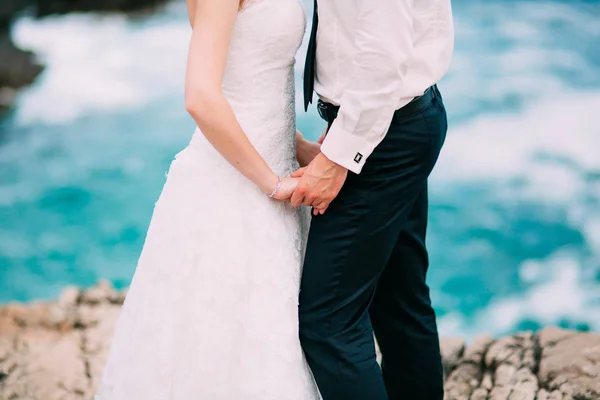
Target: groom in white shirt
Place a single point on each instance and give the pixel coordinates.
(374, 65)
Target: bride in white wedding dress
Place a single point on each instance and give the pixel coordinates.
(212, 311)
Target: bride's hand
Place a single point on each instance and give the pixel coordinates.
(288, 185)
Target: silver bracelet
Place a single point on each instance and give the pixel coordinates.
(274, 192)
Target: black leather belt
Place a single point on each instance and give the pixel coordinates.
(329, 112)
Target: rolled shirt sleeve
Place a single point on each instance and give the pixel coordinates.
(383, 38)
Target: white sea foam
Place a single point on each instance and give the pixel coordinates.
(552, 147)
(105, 63)
(98, 63)
(549, 141)
(558, 292)
(553, 138)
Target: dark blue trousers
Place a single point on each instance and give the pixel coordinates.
(365, 271)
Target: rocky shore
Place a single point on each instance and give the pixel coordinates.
(56, 350)
(19, 67)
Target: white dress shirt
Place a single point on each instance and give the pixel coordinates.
(373, 57)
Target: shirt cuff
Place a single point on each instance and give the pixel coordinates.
(346, 149)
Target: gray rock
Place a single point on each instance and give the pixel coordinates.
(467, 376)
(63, 314)
(102, 292)
(18, 68)
(452, 350)
(69, 297)
(8, 9)
(479, 394)
(57, 350)
(512, 359)
(570, 363)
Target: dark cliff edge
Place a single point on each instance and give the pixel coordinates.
(57, 349)
(18, 67)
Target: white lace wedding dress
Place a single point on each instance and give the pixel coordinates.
(212, 311)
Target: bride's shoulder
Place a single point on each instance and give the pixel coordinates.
(192, 6)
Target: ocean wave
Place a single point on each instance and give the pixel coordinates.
(515, 216)
(539, 164)
(100, 63)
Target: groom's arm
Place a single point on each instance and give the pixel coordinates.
(383, 38)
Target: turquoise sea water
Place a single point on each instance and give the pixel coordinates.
(514, 229)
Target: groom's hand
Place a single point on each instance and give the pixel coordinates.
(320, 183)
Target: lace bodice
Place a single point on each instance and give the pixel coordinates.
(259, 76)
(212, 311)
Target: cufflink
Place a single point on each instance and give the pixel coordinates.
(357, 158)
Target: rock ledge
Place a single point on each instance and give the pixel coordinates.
(56, 350)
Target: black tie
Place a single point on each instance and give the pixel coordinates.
(309, 66)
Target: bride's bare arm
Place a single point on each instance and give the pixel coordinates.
(213, 23)
(191, 9)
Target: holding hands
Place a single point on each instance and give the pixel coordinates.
(320, 183)
(286, 189)
(317, 182)
(306, 151)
